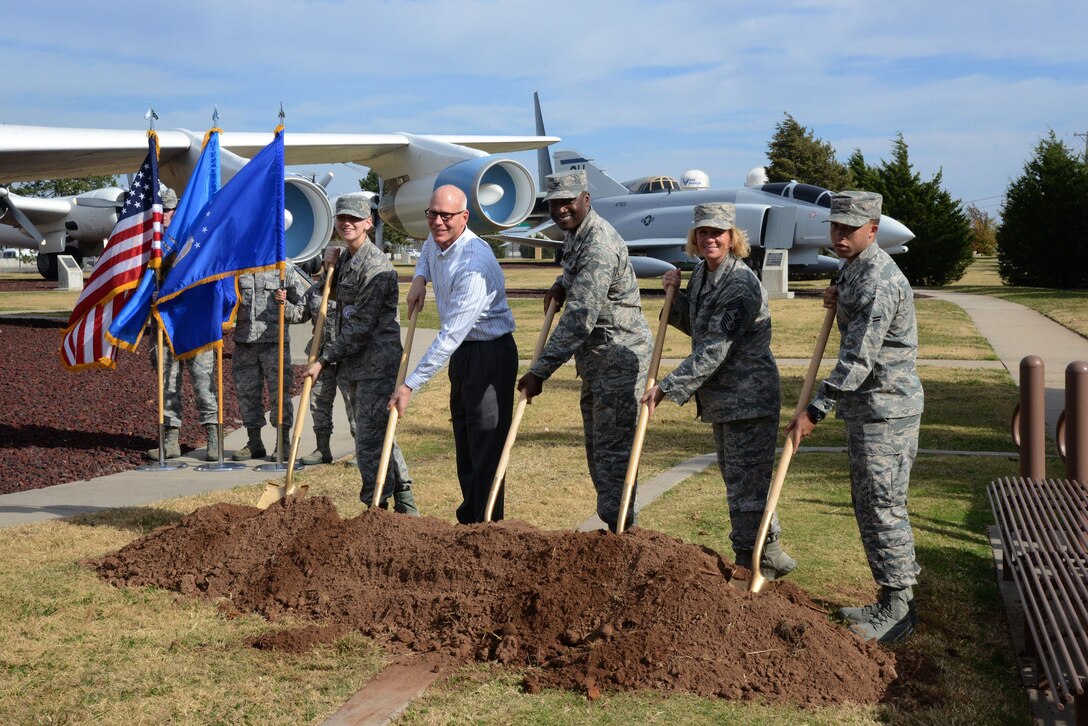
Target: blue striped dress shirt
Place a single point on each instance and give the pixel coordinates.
(470, 292)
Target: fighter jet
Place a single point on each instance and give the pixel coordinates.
(500, 191)
(653, 214)
(654, 223)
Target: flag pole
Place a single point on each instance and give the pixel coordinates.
(222, 464)
(280, 440)
(162, 465)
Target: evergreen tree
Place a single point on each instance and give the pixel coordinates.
(941, 249)
(796, 154)
(1042, 240)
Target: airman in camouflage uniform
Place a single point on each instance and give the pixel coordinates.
(323, 393)
(878, 394)
(366, 347)
(602, 326)
(731, 373)
(256, 345)
(201, 376)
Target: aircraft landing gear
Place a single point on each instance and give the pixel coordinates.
(47, 262)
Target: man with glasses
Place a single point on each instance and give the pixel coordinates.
(476, 339)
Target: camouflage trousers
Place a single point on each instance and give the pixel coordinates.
(746, 460)
(201, 377)
(610, 403)
(322, 396)
(881, 455)
(371, 398)
(255, 367)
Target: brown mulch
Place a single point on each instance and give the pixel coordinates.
(59, 426)
(585, 611)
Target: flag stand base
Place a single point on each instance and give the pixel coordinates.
(278, 467)
(220, 466)
(165, 466)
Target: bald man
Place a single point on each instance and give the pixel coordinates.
(475, 338)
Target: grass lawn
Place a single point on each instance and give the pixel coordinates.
(79, 652)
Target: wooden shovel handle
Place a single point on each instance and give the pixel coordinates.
(391, 425)
(308, 384)
(644, 412)
(515, 423)
(758, 581)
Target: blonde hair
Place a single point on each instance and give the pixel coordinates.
(738, 244)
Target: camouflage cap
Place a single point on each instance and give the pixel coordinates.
(168, 196)
(356, 204)
(717, 215)
(855, 208)
(565, 185)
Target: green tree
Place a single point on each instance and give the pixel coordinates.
(796, 154)
(390, 234)
(983, 231)
(941, 249)
(63, 187)
(1042, 240)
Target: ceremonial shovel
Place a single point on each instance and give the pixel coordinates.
(758, 581)
(391, 427)
(504, 459)
(274, 492)
(644, 413)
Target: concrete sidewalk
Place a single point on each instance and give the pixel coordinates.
(1015, 332)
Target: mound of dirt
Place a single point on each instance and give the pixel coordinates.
(586, 611)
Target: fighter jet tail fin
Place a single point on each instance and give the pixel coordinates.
(600, 184)
(543, 161)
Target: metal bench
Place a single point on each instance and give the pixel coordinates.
(1043, 525)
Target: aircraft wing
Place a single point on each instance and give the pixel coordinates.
(29, 153)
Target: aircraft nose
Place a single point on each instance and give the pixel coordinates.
(892, 232)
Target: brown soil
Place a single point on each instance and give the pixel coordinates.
(58, 426)
(585, 611)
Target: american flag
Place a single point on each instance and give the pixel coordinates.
(136, 242)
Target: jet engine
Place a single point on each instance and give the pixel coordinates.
(500, 195)
(309, 218)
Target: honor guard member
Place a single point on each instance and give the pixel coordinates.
(201, 375)
(603, 328)
(876, 391)
(366, 349)
(476, 337)
(731, 373)
(256, 346)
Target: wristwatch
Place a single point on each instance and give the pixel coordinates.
(815, 415)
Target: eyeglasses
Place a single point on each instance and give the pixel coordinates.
(446, 216)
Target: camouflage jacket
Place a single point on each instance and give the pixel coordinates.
(874, 378)
(602, 322)
(366, 328)
(257, 319)
(730, 371)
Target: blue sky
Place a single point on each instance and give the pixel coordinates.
(642, 87)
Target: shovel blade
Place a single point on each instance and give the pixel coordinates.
(272, 493)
